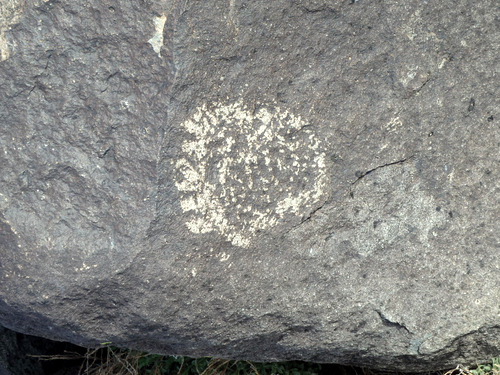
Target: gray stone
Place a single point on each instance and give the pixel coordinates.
(311, 180)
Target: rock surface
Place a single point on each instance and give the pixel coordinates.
(314, 180)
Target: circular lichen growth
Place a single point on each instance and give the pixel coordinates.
(243, 171)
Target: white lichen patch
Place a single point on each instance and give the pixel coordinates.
(394, 124)
(10, 13)
(157, 40)
(4, 48)
(243, 171)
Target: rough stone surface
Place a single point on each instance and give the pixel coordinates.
(314, 180)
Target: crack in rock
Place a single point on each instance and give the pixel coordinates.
(390, 323)
(432, 75)
(417, 90)
(361, 175)
(391, 210)
(306, 219)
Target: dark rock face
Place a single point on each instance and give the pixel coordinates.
(263, 180)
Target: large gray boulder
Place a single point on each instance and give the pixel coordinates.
(265, 180)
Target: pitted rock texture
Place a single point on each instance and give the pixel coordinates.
(312, 180)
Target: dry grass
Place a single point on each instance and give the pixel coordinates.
(488, 369)
(114, 361)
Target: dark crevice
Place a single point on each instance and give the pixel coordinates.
(311, 214)
(32, 89)
(112, 75)
(318, 10)
(307, 218)
(226, 58)
(418, 89)
(107, 152)
(432, 75)
(389, 323)
(306, 126)
(38, 84)
(472, 104)
(360, 175)
(49, 56)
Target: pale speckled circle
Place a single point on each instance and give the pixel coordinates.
(244, 171)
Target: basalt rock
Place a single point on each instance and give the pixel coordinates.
(313, 180)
